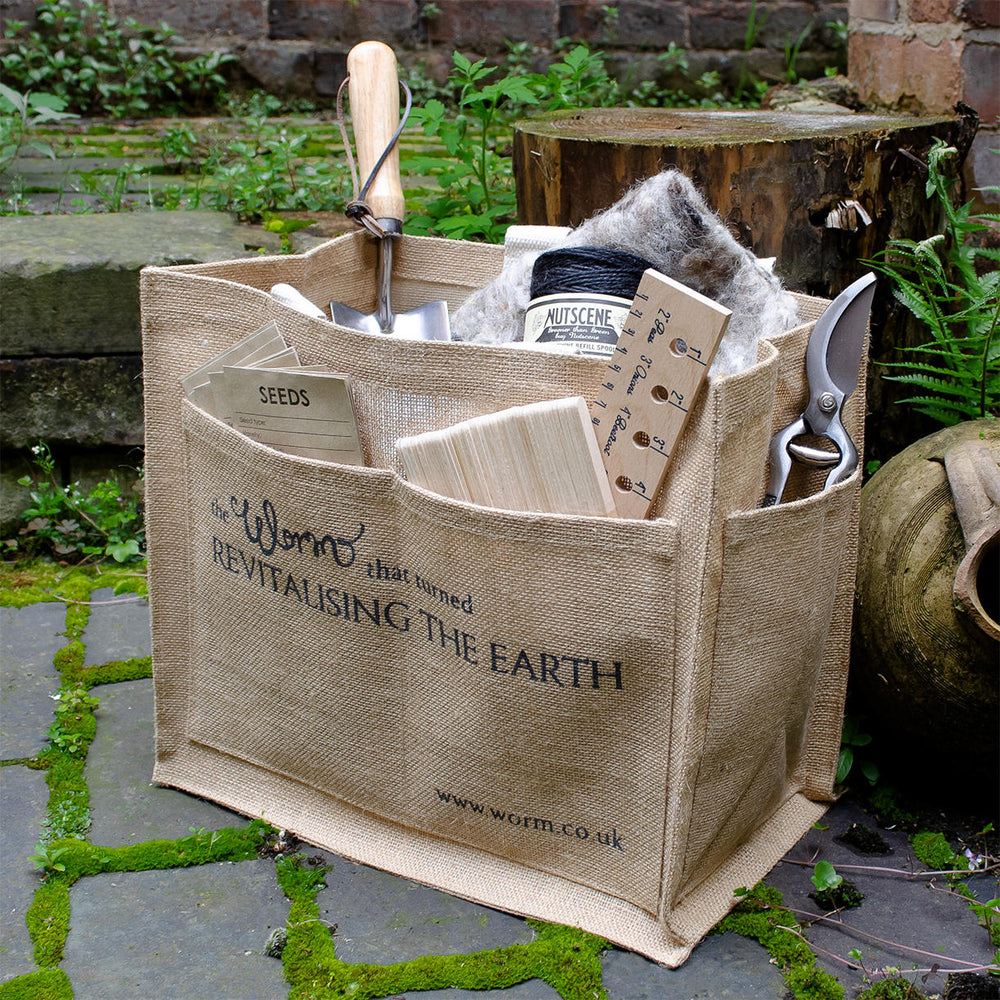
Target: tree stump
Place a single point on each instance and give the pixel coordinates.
(818, 191)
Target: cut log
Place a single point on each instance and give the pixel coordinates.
(819, 192)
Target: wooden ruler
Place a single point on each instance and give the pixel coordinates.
(662, 357)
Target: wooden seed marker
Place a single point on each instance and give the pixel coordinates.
(651, 382)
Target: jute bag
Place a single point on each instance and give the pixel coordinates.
(606, 723)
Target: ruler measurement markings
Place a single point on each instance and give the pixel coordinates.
(637, 446)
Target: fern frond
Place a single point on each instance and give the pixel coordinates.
(945, 389)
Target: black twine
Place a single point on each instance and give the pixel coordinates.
(598, 270)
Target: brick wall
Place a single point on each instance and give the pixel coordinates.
(926, 55)
(299, 46)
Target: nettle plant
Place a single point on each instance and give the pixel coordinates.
(65, 523)
(101, 65)
(952, 285)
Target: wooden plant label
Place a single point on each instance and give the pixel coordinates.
(650, 384)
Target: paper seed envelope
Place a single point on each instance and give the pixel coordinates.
(305, 413)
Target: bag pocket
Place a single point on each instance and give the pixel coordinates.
(772, 659)
(499, 679)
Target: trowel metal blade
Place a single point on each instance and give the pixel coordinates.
(426, 322)
(353, 318)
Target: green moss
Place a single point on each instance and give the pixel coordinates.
(934, 851)
(760, 915)
(42, 984)
(896, 988)
(48, 919)
(22, 584)
(567, 959)
(134, 669)
(69, 659)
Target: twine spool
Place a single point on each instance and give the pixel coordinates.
(580, 297)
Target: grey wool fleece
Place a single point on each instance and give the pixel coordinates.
(665, 220)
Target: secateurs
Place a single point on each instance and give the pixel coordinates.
(833, 364)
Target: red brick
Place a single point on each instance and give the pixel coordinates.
(932, 76)
(485, 25)
(875, 66)
(933, 11)
(906, 72)
(981, 79)
(247, 18)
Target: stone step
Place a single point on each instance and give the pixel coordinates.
(70, 357)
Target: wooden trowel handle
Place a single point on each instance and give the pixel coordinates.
(374, 94)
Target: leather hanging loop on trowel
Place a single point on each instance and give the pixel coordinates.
(374, 97)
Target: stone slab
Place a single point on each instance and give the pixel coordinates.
(722, 967)
(895, 908)
(383, 918)
(70, 283)
(118, 627)
(126, 808)
(54, 400)
(531, 989)
(25, 797)
(184, 933)
(29, 639)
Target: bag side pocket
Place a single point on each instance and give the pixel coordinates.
(773, 660)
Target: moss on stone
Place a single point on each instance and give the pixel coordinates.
(896, 988)
(47, 920)
(22, 584)
(566, 958)
(69, 659)
(42, 984)
(114, 671)
(761, 915)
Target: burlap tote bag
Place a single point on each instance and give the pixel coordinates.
(605, 723)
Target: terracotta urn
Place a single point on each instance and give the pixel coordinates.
(926, 655)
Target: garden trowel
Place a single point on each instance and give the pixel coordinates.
(374, 97)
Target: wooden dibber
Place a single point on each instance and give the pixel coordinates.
(650, 384)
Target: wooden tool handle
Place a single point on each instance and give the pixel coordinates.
(374, 94)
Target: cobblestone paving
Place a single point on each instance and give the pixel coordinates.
(141, 926)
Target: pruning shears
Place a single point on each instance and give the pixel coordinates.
(833, 365)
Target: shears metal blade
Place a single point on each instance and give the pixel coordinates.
(833, 365)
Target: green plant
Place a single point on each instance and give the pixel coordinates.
(265, 171)
(792, 53)
(892, 988)
(19, 114)
(833, 891)
(839, 33)
(477, 199)
(952, 286)
(851, 740)
(110, 189)
(100, 65)
(65, 522)
(74, 699)
(47, 858)
(68, 818)
(579, 79)
(825, 876)
(74, 744)
(755, 21)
